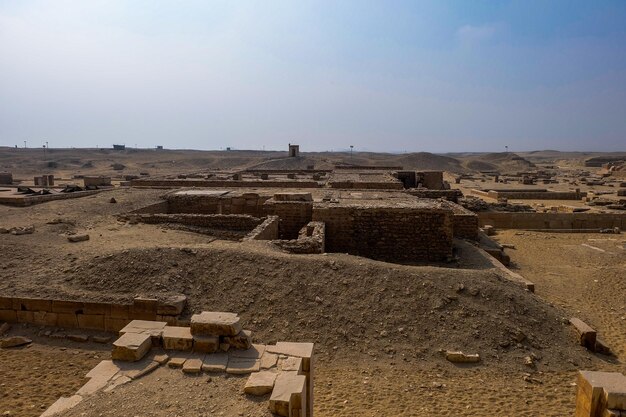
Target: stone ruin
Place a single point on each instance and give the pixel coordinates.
(215, 342)
(601, 394)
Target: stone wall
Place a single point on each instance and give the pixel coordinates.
(395, 234)
(268, 230)
(234, 222)
(28, 200)
(532, 195)
(293, 216)
(96, 181)
(218, 203)
(450, 195)
(547, 221)
(6, 178)
(311, 239)
(88, 315)
(176, 183)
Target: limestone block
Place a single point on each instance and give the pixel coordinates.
(97, 308)
(25, 316)
(587, 335)
(215, 362)
(144, 305)
(289, 395)
(32, 304)
(8, 315)
(242, 366)
(192, 366)
(269, 360)
(460, 357)
(177, 338)
(598, 391)
(70, 307)
(260, 383)
(206, 344)
(152, 328)
(45, 318)
(62, 405)
(300, 350)
(290, 363)
(90, 321)
(131, 347)
(177, 362)
(120, 311)
(114, 325)
(77, 337)
(67, 320)
(209, 323)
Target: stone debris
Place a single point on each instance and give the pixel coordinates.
(242, 366)
(24, 230)
(131, 347)
(81, 338)
(78, 238)
(4, 328)
(177, 362)
(460, 357)
(101, 339)
(14, 341)
(260, 383)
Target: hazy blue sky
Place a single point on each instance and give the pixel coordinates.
(381, 75)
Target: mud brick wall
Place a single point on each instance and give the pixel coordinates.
(363, 185)
(6, 178)
(248, 203)
(85, 314)
(547, 221)
(531, 195)
(394, 234)
(239, 222)
(225, 183)
(311, 239)
(268, 230)
(464, 222)
(161, 207)
(450, 195)
(96, 181)
(38, 199)
(293, 216)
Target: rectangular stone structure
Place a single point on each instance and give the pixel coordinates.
(212, 323)
(177, 338)
(131, 347)
(587, 335)
(289, 395)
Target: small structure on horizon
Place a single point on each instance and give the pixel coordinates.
(119, 147)
(294, 151)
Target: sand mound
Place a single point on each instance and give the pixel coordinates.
(347, 305)
(503, 162)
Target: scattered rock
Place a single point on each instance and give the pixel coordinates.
(113, 200)
(4, 328)
(14, 341)
(460, 357)
(78, 238)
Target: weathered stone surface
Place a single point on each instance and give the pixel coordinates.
(260, 383)
(4, 328)
(131, 347)
(242, 366)
(152, 328)
(61, 405)
(177, 338)
(598, 391)
(101, 339)
(215, 362)
(210, 323)
(192, 366)
(242, 341)
(77, 337)
(116, 382)
(587, 335)
(269, 360)
(14, 341)
(78, 238)
(300, 350)
(136, 370)
(177, 362)
(460, 357)
(206, 344)
(290, 363)
(289, 395)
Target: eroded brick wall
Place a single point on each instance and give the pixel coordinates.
(394, 234)
(294, 215)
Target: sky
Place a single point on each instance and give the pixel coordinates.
(389, 75)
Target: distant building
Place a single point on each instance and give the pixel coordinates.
(159, 147)
(294, 150)
(119, 147)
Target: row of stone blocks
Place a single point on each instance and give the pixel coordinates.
(601, 394)
(89, 315)
(285, 370)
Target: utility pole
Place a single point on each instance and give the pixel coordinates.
(351, 147)
(24, 144)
